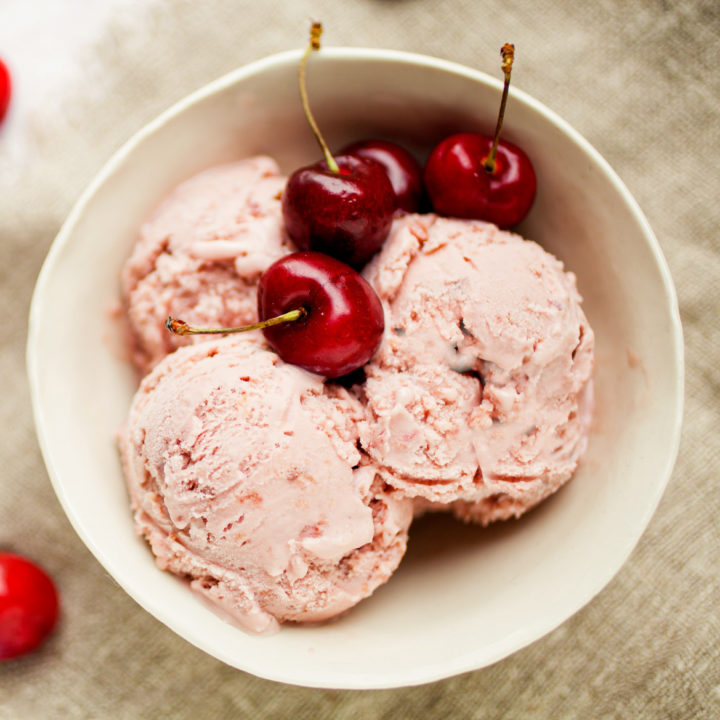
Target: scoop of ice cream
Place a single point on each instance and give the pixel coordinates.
(245, 476)
(199, 256)
(480, 394)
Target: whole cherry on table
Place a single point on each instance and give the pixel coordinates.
(29, 605)
(5, 89)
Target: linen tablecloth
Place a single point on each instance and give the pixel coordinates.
(639, 80)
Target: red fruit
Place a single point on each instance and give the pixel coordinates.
(342, 206)
(346, 214)
(28, 605)
(479, 176)
(5, 89)
(459, 185)
(401, 167)
(344, 320)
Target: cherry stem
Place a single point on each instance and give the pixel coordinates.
(508, 54)
(314, 44)
(180, 327)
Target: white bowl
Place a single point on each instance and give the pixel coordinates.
(464, 597)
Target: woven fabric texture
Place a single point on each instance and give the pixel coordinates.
(640, 82)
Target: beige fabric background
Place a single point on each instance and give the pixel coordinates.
(640, 81)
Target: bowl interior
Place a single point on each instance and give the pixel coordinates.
(464, 597)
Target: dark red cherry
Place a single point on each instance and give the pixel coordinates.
(5, 89)
(402, 169)
(28, 605)
(315, 312)
(344, 320)
(345, 213)
(470, 175)
(459, 184)
(342, 206)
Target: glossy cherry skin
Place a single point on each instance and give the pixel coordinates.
(344, 323)
(403, 170)
(344, 214)
(459, 185)
(5, 89)
(28, 605)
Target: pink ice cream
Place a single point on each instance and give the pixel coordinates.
(245, 476)
(481, 393)
(200, 254)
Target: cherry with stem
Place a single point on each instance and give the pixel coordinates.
(472, 175)
(315, 312)
(343, 205)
